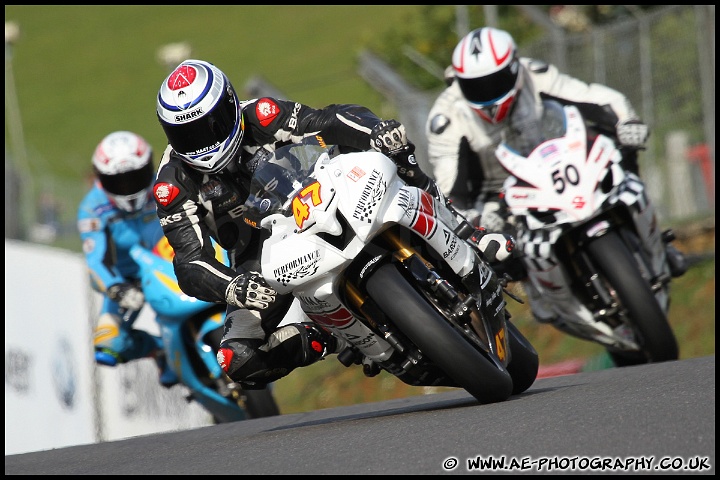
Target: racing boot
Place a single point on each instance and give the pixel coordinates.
(254, 363)
(167, 377)
(676, 260)
(538, 306)
(320, 343)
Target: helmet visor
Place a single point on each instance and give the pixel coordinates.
(489, 89)
(127, 183)
(207, 132)
(131, 203)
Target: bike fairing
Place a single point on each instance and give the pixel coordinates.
(569, 195)
(190, 333)
(323, 223)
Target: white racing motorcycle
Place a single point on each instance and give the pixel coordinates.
(593, 251)
(382, 265)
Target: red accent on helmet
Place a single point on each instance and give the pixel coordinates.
(498, 112)
(460, 65)
(266, 111)
(182, 77)
(499, 60)
(165, 193)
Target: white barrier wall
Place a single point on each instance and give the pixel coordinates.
(48, 355)
(131, 402)
(55, 396)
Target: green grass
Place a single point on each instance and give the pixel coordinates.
(84, 71)
(81, 72)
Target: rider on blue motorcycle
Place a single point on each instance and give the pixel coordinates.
(215, 142)
(114, 215)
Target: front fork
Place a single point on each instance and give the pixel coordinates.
(464, 310)
(605, 307)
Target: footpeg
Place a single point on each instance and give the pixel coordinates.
(350, 356)
(370, 368)
(676, 261)
(668, 236)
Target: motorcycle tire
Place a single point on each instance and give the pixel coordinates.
(260, 403)
(524, 361)
(649, 321)
(436, 338)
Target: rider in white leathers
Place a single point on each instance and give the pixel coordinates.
(492, 92)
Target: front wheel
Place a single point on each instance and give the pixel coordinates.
(419, 321)
(647, 319)
(524, 361)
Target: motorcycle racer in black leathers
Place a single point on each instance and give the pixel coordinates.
(215, 142)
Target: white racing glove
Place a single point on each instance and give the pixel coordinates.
(496, 247)
(632, 133)
(127, 295)
(249, 290)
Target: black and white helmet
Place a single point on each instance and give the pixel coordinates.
(199, 110)
(122, 163)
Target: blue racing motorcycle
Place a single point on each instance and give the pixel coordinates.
(191, 331)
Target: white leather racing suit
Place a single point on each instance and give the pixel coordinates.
(461, 146)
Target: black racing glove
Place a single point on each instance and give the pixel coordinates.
(408, 168)
(389, 137)
(128, 295)
(249, 290)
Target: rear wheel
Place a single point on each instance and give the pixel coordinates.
(646, 318)
(261, 403)
(484, 379)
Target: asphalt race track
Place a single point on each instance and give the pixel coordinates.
(657, 418)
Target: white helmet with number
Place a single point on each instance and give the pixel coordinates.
(487, 70)
(122, 162)
(199, 110)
